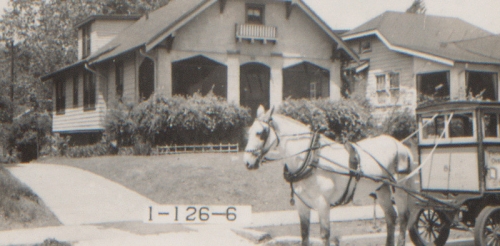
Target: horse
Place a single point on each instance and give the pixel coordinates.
(323, 173)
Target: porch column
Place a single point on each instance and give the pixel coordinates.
(335, 81)
(276, 82)
(458, 84)
(233, 79)
(164, 73)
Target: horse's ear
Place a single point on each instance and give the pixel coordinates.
(267, 115)
(270, 112)
(260, 111)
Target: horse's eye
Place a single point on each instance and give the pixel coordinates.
(263, 134)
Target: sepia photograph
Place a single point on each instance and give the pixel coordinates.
(249, 122)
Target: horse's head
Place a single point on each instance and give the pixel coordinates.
(261, 137)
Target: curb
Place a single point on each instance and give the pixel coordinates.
(252, 235)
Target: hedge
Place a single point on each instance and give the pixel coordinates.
(345, 120)
(178, 120)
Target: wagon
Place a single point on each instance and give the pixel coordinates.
(459, 161)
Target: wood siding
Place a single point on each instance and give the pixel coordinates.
(101, 32)
(384, 62)
(104, 31)
(76, 119)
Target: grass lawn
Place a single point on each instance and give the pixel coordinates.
(20, 207)
(212, 179)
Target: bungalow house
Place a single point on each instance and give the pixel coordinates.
(410, 59)
(250, 52)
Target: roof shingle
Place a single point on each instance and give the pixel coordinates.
(434, 35)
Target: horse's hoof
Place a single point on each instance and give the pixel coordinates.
(336, 241)
(292, 202)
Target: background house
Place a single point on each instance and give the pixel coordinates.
(249, 52)
(409, 59)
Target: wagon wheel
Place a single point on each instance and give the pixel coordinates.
(487, 229)
(431, 227)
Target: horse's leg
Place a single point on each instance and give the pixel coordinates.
(324, 222)
(402, 204)
(305, 216)
(384, 199)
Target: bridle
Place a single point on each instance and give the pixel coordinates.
(260, 153)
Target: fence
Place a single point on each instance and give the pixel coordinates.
(209, 148)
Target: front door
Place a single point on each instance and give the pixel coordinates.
(254, 86)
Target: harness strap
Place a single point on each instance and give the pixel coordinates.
(309, 163)
(347, 197)
(391, 177)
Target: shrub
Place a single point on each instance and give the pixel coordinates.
(27, 134)
(119, 124)
(400, 124)
(98, 149)
(345, 119)
(178, 120)
(55, 145)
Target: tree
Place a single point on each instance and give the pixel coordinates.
(46, 41)
(417, 7)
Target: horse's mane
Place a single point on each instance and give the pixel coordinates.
(289, 121)
(298, 126)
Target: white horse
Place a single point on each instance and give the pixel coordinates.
(324, 174)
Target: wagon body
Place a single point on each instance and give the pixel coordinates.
(459, 157)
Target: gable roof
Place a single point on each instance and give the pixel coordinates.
(425, 36)
(164, 20)
(150, 30)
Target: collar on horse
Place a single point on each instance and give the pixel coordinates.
(309, 162)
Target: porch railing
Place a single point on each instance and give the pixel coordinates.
(254, 32)
(212, 148)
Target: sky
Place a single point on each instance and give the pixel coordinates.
(348, 14)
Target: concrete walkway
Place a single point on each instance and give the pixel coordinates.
(79, 197)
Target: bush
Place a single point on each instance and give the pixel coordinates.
(400, 124)
(119, 124)
(344, 120)
(178, 120)
(98, 149)
(55, 145)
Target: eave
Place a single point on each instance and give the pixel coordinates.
(326, 28)
(400, 49)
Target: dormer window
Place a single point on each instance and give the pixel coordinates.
(255, 14)
(85, 41)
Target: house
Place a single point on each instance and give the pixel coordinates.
(409, 59)
(250, 52)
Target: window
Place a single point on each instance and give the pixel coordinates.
(490, 121)
(388, 89)
(394, 87)
(381, 89)
(60, 96)
(89, 91)
(312, 90)
(481, 86)
(119, 78)
(461, 127)
(255, 14)
(380, 83)
(433, 87)
(365, 47)
(75, 90)
(85, 41)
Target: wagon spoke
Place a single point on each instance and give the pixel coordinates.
(434, 234)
